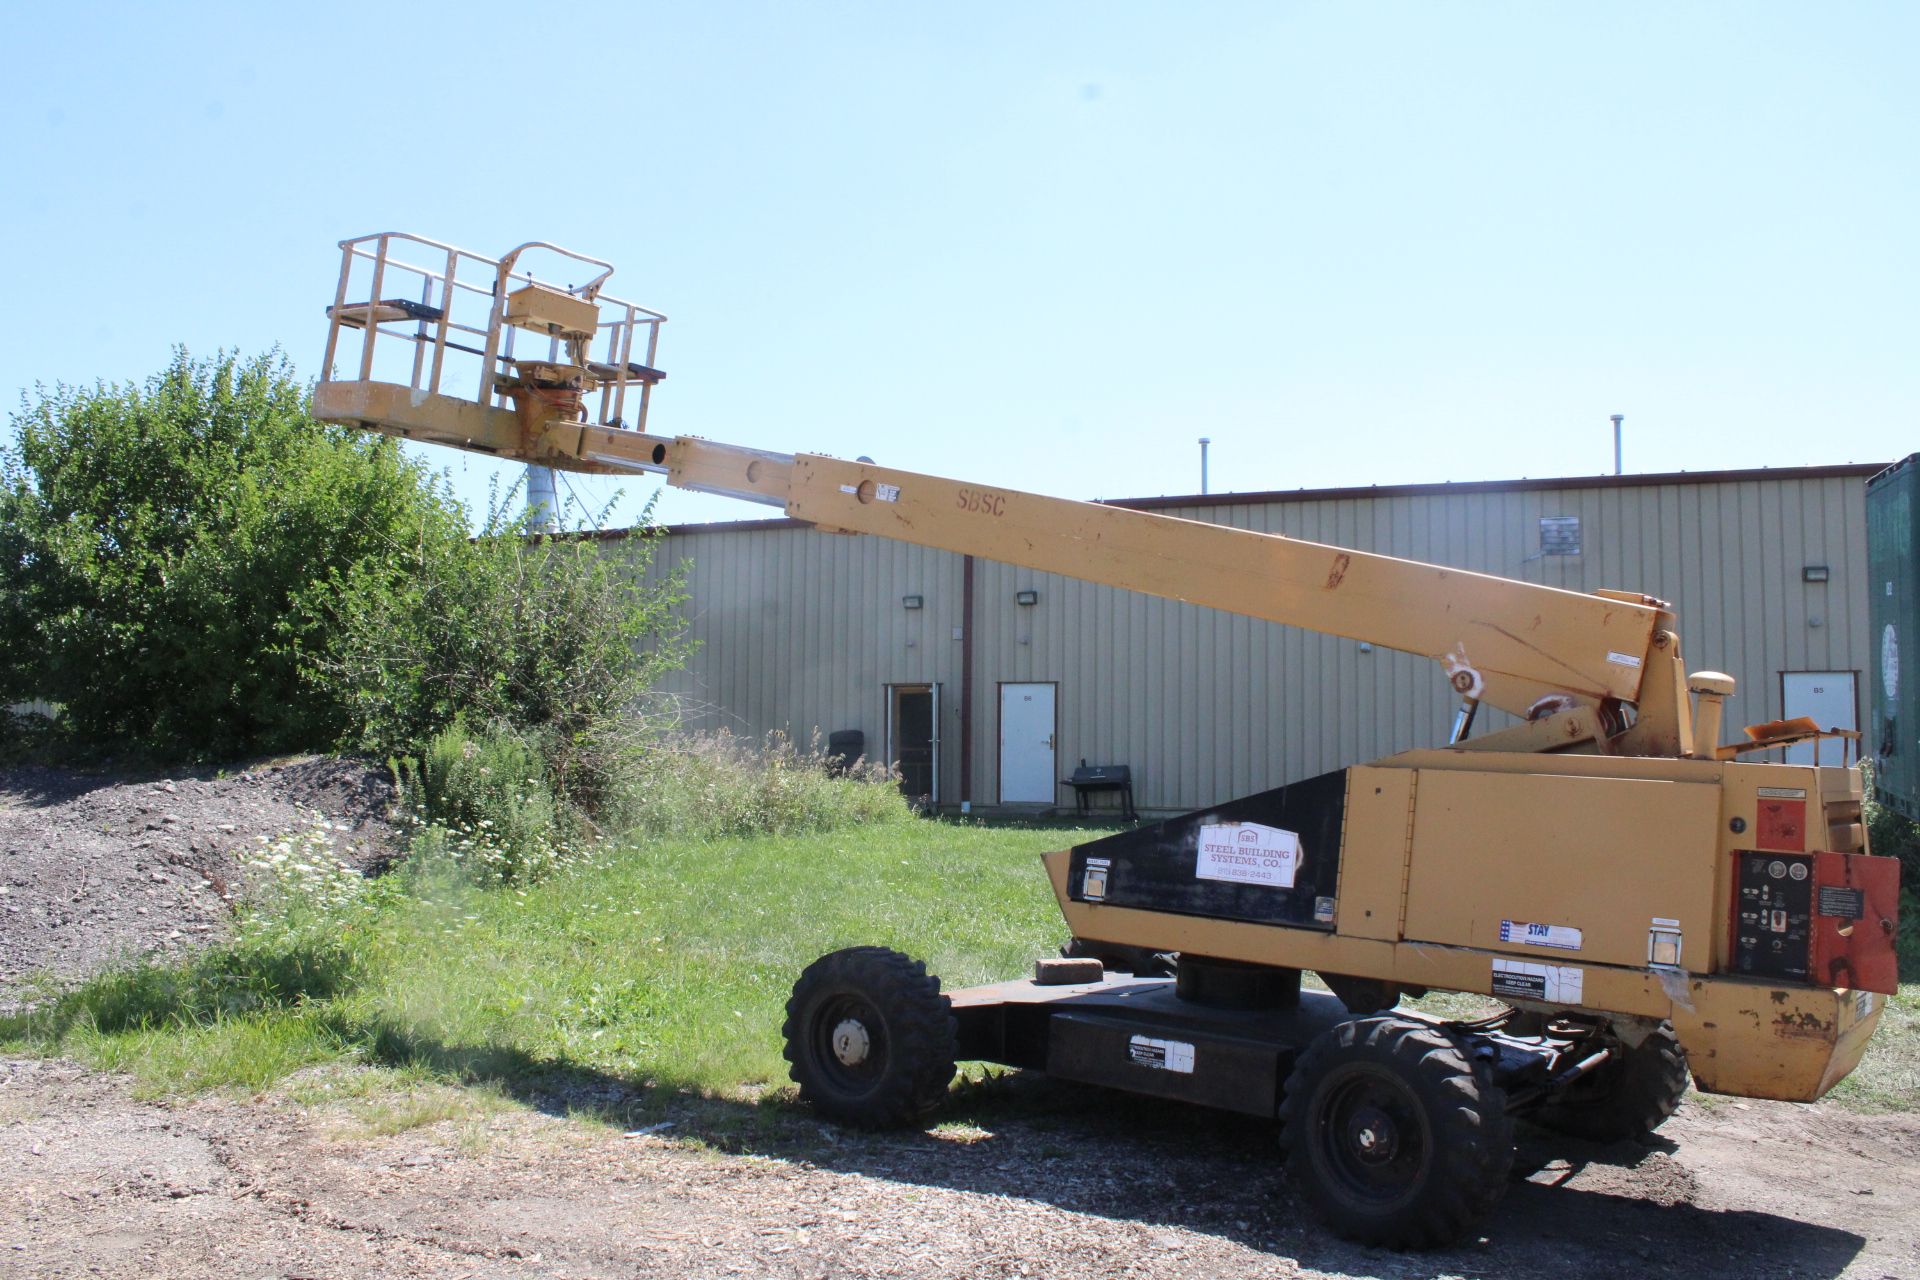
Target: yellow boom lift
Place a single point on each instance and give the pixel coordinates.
(1642, 898)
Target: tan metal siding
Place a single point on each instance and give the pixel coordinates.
(802, 630)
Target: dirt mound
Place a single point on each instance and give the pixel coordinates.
(96, 868)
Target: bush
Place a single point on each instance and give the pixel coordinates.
(28, 737)
(160, 546)
(549, 638)
(481, 806)
(1889, 833)
(719, 785)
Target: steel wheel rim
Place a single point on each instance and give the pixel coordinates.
(830, 1022)
(1374, 1137)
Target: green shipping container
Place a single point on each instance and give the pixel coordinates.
(1893, 552)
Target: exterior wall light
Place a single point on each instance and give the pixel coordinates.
(1814, 573)
(912, 602)
(1026, 597)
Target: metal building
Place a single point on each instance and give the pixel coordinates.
(989, 683)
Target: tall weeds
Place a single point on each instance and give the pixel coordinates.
(717, 784)
(480, 805)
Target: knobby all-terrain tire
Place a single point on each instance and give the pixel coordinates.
(1394, 1135)
(870, 1037)
(1625, 1098)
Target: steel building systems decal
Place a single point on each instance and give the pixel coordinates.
(1248, 853)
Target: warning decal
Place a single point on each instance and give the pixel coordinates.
(1560, 936)
(1842, 902)
(1782, 825)
(1547, 983)
(1161, 1055)
(1247, 853)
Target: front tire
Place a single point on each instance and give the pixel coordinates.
(1394, 1137)
(870, 1037)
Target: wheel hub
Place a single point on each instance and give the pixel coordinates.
(851, 1042)
(1374, 1136)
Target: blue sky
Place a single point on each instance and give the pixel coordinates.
(1044, 245)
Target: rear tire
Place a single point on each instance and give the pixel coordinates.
(1626, 1098)
(870, 1037)
(1394, 1136)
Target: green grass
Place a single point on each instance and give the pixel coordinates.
(246, 1052)
(1888, 1078)
(619, 984)
(664, 966)
(671, 962)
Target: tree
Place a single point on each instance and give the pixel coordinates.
(163, 547)
(194, 567)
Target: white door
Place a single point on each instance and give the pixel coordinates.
(1026, 744)
(1827, 698)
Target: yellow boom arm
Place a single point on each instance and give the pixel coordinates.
(1506, 643)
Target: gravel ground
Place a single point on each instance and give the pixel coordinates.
(1076, 1185)
(98, 868)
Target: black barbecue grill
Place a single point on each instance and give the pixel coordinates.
(1089, 779)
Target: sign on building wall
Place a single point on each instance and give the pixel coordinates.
(1559, 535)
